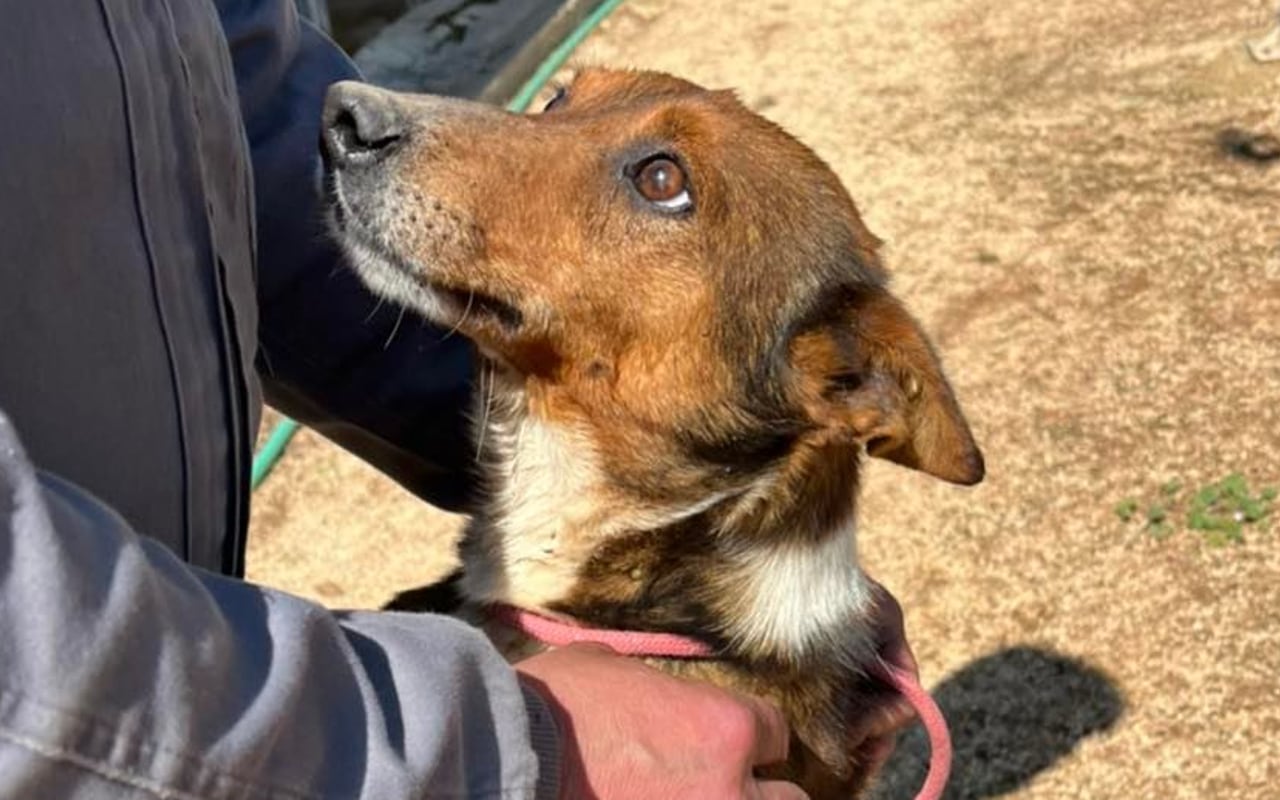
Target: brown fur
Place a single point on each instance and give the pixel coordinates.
(670, 403)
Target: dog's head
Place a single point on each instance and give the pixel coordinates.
(658, 268)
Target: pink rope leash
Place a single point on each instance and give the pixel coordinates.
(628, 643)
(557, 633)
(935, 725)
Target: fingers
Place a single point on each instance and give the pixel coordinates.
(599, 648)
(772, 737)
(890, 629)
(777, 790)
(875, 753)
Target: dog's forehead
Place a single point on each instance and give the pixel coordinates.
(654, 102)
(616, 87)
(775, 225)
(742, 154)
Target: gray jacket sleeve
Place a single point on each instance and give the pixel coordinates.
(128, 674)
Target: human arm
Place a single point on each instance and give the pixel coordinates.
(391, 389)
(127, 673)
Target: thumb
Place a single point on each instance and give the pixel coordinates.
(598, 648)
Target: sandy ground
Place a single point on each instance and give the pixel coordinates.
(1104, 282)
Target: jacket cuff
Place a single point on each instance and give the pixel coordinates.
(544, 737)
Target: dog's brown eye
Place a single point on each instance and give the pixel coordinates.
(662, 182)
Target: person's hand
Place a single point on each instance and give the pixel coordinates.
(631, 731)
(875, 732)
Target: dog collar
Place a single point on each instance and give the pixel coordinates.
(559, 633)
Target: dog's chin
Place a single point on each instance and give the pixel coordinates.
(391, 280)
(390, 274)
(384, 274)
(410, 284)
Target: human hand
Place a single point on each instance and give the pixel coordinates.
(875, 732)
(631, 731)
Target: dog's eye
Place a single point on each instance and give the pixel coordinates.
(662, 181)
(556, 99)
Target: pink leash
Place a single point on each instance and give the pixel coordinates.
(557, 633)
(935, 725)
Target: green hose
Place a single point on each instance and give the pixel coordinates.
(273, 449)
(547, 69)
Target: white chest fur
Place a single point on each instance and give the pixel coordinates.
(553, 508)
(798, 595)
(548, 492)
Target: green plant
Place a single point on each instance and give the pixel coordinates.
(1158, 521)
(1220, 511)
(1126, 508)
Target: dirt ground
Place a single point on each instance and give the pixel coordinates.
(1103, 280)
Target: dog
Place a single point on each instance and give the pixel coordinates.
(686, 344)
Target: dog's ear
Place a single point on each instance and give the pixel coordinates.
(872, 374)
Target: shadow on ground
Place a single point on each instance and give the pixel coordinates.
(1013, 714)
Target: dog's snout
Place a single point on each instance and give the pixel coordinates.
(362, 125)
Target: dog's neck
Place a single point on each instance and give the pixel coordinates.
(761, 570)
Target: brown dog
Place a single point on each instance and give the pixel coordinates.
(686, 346)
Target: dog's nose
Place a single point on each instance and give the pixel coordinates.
(362, 125)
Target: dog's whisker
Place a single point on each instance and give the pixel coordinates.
(487, 400)
(471, 296)
(376, 307)
(394, 328)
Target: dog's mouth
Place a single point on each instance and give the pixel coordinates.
(390, 274)
(471, 301)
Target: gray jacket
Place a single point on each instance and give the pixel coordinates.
(162, 267)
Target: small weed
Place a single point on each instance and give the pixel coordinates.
(1219, 511)
(1126, 508)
